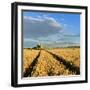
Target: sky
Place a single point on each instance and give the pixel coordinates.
(51, 29)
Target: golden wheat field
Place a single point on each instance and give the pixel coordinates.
(51, 62)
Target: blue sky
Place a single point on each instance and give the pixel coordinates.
(51, 29)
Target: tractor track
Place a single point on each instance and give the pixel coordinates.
(67, 64)
(28, 72)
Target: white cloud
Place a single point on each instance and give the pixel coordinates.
(52, 21)
(40, 26)
(30, 40)
(44, 18)
(32, 18)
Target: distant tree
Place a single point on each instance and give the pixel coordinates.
(38, 46)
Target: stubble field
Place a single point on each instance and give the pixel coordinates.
(51, 62)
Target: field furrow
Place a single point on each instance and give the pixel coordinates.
(28, 57)
(70, 54)
(49, 66)
(71, 66)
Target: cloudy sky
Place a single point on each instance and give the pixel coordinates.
(50, 29)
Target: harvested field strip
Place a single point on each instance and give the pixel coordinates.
(49, 66)
(67, 64)
(29, 70)
(28, 57)
(70, 54)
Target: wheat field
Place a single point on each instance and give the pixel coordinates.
(51, 62)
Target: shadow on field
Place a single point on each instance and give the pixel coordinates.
(29, 70)
(67, 64)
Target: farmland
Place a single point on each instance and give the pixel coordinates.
(51, 62)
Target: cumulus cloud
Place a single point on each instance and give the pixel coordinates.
(34, 27)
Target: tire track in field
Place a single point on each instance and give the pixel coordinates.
(48, 66)
(67, 64)
(28, 72)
